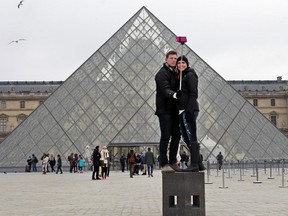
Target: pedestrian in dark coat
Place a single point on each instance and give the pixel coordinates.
(96, 163)
(149, 161)
(59, 164)
(166, 110)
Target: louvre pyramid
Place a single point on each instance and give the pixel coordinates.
(110, 98)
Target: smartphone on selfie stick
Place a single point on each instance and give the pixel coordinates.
(182, 40)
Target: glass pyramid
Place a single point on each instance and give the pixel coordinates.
(110, 99)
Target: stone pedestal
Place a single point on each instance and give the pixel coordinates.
(183, 194)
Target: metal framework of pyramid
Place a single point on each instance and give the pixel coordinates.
(110, 98)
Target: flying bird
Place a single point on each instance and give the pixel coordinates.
(20, 3)
(16, 41)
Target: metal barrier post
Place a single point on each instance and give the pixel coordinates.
(223, 178)
(234, 170)
(257, 173)
(208, 173)
(278, 167)
(229, 168)
(283, 172)
(270, 177)
(265, 167)
(240, 171)
(253, 175)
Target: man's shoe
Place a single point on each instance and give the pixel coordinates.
(167, 168)
(175, 167)
(151, 175)
(171, 168)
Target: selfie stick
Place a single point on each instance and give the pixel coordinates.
(182, 40)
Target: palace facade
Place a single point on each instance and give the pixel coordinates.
(19, 98)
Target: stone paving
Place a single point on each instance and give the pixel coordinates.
(76, 194)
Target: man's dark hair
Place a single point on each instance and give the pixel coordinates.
(171, 52)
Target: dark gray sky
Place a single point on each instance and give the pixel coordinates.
(241, 40)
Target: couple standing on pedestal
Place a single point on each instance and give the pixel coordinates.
(177, 111)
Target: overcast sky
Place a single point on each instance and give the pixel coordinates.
(241, 40)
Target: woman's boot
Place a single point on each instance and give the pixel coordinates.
(194, 158)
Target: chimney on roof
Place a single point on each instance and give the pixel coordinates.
(279, 78)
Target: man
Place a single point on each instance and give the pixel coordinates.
(219, 158)
(166, 110)
(96, 163)
(149, 161)
(122, 161)
(34, 162)
(184, 160)
(131, 157)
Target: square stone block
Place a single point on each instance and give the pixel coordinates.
(183, 193)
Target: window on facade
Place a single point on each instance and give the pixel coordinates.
(3, 122)
(272, 102)
(3, 105)
(255, 102)
(21, 118)
(273, 119)
(22, 104)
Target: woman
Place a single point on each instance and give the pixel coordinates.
(59, 164)
(105, 161)
(188, 110)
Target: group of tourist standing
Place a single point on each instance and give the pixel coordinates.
(101, 163)
(146, 160)
(76, 163)
(47, 160)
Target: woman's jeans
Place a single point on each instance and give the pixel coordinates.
(188, 129)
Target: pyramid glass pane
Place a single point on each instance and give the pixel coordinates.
(110, 100)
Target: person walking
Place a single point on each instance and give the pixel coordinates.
(29, 164)
(71, 161)
(34, 163)
(96, 163)
(219, 158)
(122, 161)
(45, 159)
(52, 162)
(166, 110)
(189, 110)
(184, 160)
(81, 163)
(59, 164)
(131, 157)
(105, 161)
(149, 161)
(143, 164)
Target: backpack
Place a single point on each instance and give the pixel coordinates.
(132, 158)
(36, 159)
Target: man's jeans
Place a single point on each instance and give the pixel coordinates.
(169, 127)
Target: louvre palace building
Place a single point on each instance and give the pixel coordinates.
(110, 100)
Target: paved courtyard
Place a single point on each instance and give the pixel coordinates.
(76, 194)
